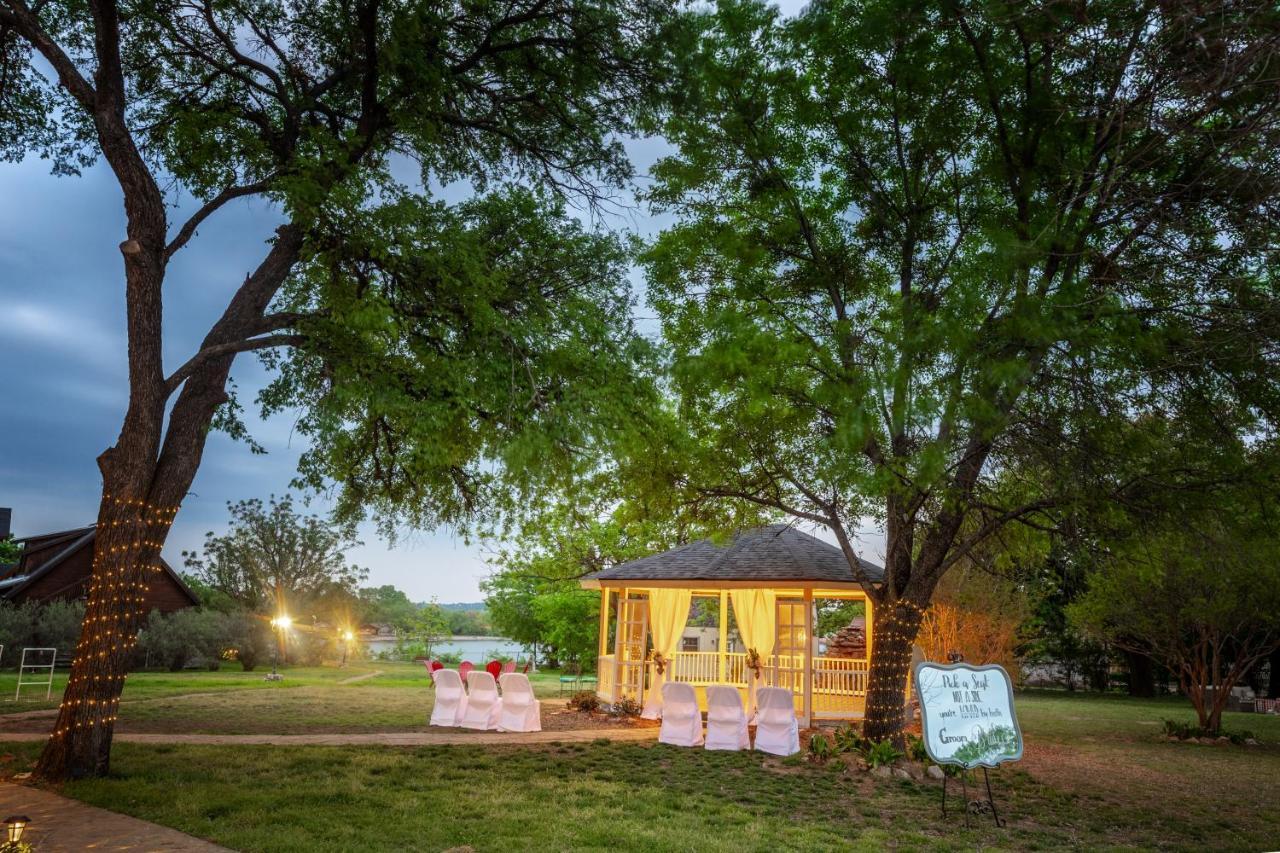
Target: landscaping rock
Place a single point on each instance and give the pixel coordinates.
(882, 771)
(933, 771)
(1250, 741)
(899, 773)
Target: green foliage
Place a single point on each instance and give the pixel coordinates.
(184, 637)
(54, 624)
(834, 614)
(10, 551)
(916, 750)
(847, 738)
(273, 559)
(386, 604)
(820, 750)
(914, 276)
(504, 297)
(1199, 594)
(881, 753)
(1183, 730)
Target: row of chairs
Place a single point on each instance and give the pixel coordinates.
(479, 706)
(496, 668)
(777, 729)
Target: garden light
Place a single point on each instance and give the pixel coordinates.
(15, 826)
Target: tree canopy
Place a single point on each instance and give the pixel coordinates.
(916, 244)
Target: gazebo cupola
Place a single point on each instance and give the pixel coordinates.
(767, 581)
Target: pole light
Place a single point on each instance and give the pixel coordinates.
(280, 624)
(347, 637)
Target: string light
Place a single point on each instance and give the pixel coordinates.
(117, 599)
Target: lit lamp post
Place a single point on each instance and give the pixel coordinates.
(347, 637)
(281, 625)
(14, 827)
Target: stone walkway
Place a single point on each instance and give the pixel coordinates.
(435, 738)
(59, 824)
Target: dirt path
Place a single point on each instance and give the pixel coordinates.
(59, 824)
(353, 679)
(433, 738)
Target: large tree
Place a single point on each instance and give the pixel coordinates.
(433, 348)
(273, 559)
(917, 242)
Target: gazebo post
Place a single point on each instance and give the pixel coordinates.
(722, 644)
(809, 642)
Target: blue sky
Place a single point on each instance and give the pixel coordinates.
(63, 371)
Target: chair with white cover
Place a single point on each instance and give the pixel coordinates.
(484, 706)
(777, 730)
(681, 719)
(726, 719)
(451, 699)
(520, 711)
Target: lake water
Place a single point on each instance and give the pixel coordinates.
(474, 649)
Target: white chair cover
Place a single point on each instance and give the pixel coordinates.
(520, 711)
(451, 699)
(777, 730)
(726, 719)
(681, 719)
(484, 707)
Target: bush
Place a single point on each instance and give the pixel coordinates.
(1189, 731)
(250, 637)
(626, 707)
(820, 749)
(57, 625)
(17, 628)
(584, 701)
(916, 750)
(881, 754)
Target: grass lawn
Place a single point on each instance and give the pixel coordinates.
(1095, 776)
(375, 697)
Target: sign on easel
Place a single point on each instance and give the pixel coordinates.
(967, 717)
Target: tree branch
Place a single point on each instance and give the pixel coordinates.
(248, 345)
(188, 230)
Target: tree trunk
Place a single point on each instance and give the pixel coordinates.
(894, 626)
(126, 554)
(1142, 675)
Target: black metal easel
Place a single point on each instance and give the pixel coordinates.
(977, 806)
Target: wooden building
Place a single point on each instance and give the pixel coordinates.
(57, 566)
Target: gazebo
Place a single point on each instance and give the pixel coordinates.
(771, 578)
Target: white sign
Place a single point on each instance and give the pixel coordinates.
(967, 713)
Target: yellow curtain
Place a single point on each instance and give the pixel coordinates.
(755, 612)
(668, 614)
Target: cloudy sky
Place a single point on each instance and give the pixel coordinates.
(63, 371)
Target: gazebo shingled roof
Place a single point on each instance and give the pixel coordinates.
(776, 552)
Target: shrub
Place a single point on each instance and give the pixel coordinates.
(57, 625)
(849, 739)
(626, 707)
(251, 638)
(916, 750)
(881, 754)
(820, 749)
(17, 628)
(584, 701)
(1188, 731)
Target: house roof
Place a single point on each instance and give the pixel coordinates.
(68, 542)
(777, 552)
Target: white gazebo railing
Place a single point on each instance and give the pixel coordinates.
(839, 685)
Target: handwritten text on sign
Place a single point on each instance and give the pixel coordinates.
(967, 713)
